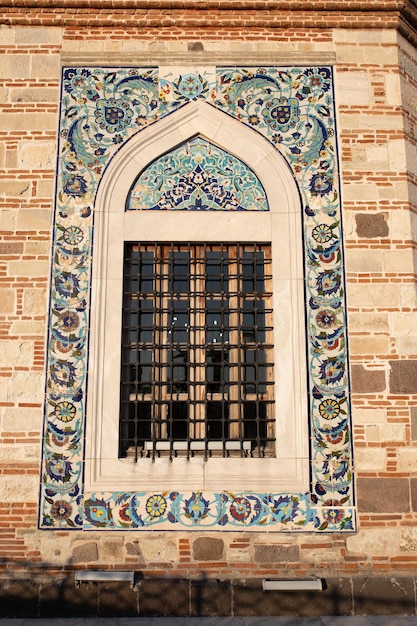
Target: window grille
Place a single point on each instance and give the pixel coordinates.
(197, 351)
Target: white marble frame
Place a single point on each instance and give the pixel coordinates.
(282, 226)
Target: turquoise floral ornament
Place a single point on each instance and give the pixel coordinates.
(198, 176)
(73, 235)
(281, 114)
(191, 86)
(156, 505)
(293, 109)
(64, 411)
(196, 508)
(113, 115)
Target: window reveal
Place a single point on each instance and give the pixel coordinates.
(197, 370)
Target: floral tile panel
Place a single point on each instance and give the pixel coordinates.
(294, 109)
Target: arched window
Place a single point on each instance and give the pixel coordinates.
(197, 335)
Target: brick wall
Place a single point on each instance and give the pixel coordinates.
(376, 91)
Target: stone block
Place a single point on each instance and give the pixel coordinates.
(159, 549)
(408, 539)
(10, 454)
(276, 553)
(34, 94)
(403, 376)
(385, 433)
(28, 327)
(31, 269)
(378, 296)
(27, 419)
(8, 220)
(112, 550)
(373, 122)
(406, 346)
(398, 261)
(407, 460)
(46, 66)
(44, 35)
(33, 219)
(373, 542)
(367, 381)
(7, 301)
(368, 415)
(37, 154)
(384, 596)
(369, 322)
(26, 387)
(133, 549)
(15, 188)
(37, 247)
(408, 296)
(208, 549)
(351, 54)
(377, 157)
(15, 353)
(366, 461)
(19, 488)
(383, 495)
(11, 248)
(85, 552)
(14, 66)
(55, 552)
(321, 555)
(353, 88)
(45, 189)
(34, 301)
(360, 192)
(29, 121)
(397, 155)
(369, 344)
(7, 35)
(363, 260)
(371, 225)
(404, 324)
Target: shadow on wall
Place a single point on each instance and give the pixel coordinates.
(42, 591)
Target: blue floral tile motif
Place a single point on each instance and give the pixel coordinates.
(198, 176)
(293, 108)
(197, 510)
(191, 83)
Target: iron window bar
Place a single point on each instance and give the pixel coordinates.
(197, 351)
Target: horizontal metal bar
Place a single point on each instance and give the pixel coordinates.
(104, 576)
(198, 445)
(296, 584)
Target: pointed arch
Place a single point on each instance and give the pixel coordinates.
(281, 226)
(221, 129)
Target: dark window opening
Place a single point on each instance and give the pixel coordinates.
(197, 352)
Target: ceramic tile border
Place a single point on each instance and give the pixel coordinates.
(101, 109)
